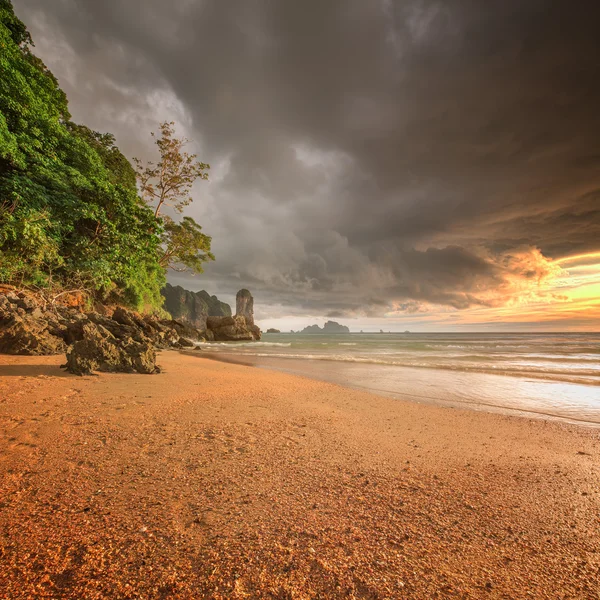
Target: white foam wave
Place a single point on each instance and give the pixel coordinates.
(232, 345)
(587, 376)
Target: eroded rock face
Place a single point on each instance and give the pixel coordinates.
(232, 329)
(29, 337)
(193, 308)
(24, 331)
(116, 340)
(99, 350)
(124, 342)
(244, 306)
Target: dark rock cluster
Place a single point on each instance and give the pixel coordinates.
(211, 316)
(122, 342)
(26, 329)
(232, 329)
(117, 341)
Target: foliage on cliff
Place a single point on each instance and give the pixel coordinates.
(70, 213)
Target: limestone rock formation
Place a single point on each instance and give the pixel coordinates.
(232, 329)
(193, 307)
(333, 327)
(238, 328)
(244, 306)
(273, 330)
(312, 329)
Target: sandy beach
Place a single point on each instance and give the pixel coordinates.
(216, 480)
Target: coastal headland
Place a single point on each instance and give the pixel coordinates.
(216, 480)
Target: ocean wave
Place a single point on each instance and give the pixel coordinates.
(586, 376)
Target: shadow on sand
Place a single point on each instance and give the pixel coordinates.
(32, 371)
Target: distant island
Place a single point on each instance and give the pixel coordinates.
(329, 327)
(273, 330)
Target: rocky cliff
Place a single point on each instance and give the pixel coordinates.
(238, 328)
(212, 317)
(193, 307)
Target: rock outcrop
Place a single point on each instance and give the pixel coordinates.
(230, 329)
(119, 341)
(244, 306)
(99, 350)
(273, 330)
(330, 327)
(193, 307)
(238, 328)
(112, 340)
(23, 330)
(333, 327)
(312, 329)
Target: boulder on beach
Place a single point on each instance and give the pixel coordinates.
(99, 350)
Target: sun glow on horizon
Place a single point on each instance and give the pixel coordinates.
(568, 300)
(566, 297)
(578, 257)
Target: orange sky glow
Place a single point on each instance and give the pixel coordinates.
(566, 298)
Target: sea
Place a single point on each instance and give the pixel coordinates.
(546, 375)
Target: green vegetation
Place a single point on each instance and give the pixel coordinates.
(70, 213)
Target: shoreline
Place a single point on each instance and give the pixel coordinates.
(279, 364)
(214, 480)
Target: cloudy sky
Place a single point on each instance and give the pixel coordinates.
(389, 164)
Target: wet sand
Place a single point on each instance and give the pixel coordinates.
(217, 480)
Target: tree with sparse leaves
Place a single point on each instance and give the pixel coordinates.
(169, 183)
(186, 247)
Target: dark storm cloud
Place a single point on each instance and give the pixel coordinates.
(366, 154)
